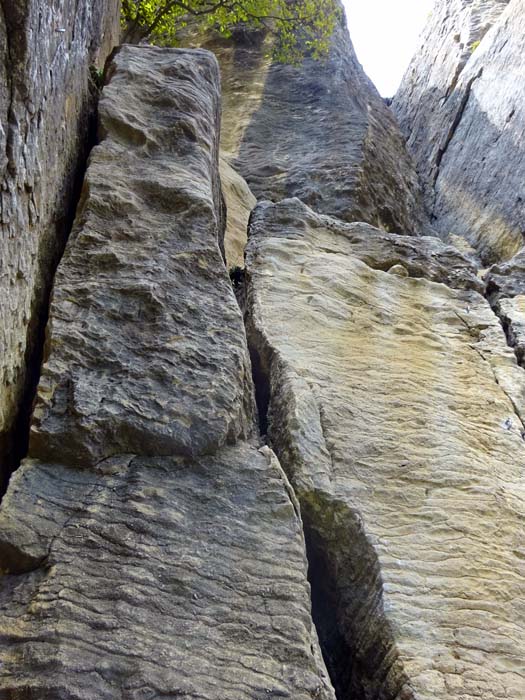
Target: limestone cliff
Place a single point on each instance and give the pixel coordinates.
(46, 104)
(461, 107)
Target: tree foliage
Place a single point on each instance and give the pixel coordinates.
(300, 26)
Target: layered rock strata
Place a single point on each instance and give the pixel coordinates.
(46, 103)
(140, 537)
(396, 407)
(461, 108)
(319, 131)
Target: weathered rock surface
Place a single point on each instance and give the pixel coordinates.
(160, 580)
(512, 313)
(319, 132)
(145, 347)
(240, 201)
(507, 279)
(461, 106)
(46, 100)
(152, 572)
(396, 408)
(424, 256)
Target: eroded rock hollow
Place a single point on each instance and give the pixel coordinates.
(306, 484)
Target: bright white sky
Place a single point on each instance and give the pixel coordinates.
(385, 36)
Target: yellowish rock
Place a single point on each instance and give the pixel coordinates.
(397, 409)
(239, 201)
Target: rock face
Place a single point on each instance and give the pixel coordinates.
(319, 132)
(152, 571)
(46, 103)
(142, 288)
(151, 544)
(396, 408)
(461, 106)
(240, 201)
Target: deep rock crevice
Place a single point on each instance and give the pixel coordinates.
(454, 125)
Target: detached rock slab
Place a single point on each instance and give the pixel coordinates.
(397, 409)
(146, 350)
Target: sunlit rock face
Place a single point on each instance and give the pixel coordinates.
(239, 201)
(46, 104)
(461, 106)
(319, 132)
(397, 409)
(147, 547)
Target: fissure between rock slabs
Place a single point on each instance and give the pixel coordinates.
(355, 637)
(15, 443)
(337, 653)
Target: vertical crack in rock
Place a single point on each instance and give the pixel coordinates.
(19, 439)
(461, 109)
(456, 120)
(356, 642)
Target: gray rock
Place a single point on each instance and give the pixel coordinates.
(461, 107)
(319, 131)
(424, 256)
(46, 103)
(512, 314)
(146, 348)
(507, 279)
(160, 579)
(239, 201)
(397, 410)
(152, 571)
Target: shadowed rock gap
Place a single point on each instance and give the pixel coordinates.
(325, 603)
(262, 390)
(355, 638)
(15, 446)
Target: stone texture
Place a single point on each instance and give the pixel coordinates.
(146, 350)
(461, 107)
(512, 314)
(424, 256)
(152, 571)
(240, 201)
(46, 101)
(396, 408)
(319, 132)
(160, 580)
(507, 279)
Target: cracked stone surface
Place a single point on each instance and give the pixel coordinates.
(319, 132)
(160, 580)
(46, 104)
(512, 313)
(396, 408)
(150, 573)
(461, 107)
